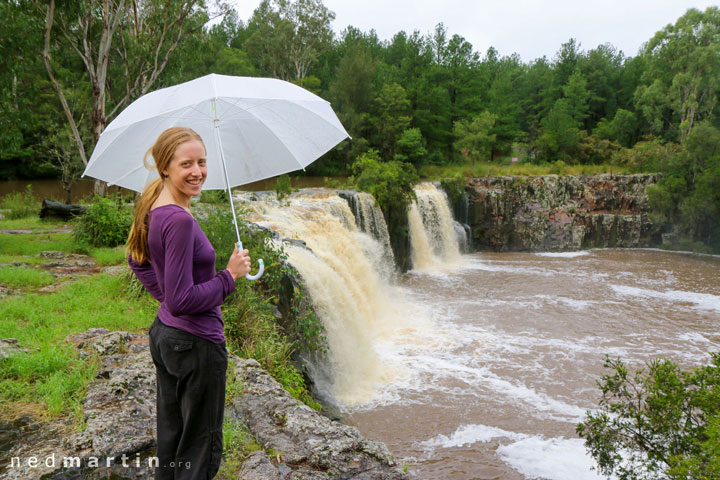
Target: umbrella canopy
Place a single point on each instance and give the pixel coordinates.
(257, 127)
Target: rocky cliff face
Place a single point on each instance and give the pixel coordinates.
(560, 213)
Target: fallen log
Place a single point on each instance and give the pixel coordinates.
(64, 211)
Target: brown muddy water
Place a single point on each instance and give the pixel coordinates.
(480, 366)
(506, 361)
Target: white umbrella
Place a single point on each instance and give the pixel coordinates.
(253, 128)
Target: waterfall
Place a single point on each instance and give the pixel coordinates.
(433, 235)
(349, 285)
(370, 219)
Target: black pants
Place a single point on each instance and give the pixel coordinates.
(190, 403)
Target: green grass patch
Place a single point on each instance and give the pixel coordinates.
(29, 259)
(105, 256)
(12, 276)
(30, 223)
(51, 374)
(34, 243)
(238, 442)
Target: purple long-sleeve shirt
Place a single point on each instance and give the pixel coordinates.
(181, 275)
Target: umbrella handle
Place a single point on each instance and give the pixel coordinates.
(261, 266)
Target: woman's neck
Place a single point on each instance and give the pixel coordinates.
(167, 197)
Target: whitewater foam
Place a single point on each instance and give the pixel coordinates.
(532, 455)
(581, 253)
(704, 301)
(549, 458)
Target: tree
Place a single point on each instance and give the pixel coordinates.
(660, 423)
(683, 72)
(411, 147)
(289, 36)
(560, 132)
(393, 117)
(134, 41)
(474, 138)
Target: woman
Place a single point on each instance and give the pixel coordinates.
(174, 260)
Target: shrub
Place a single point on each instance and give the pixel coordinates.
(105, 223)
(20, 204)
(214, 196)
(661, 423)
(283, 187)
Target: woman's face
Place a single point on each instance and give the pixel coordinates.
(187, 170)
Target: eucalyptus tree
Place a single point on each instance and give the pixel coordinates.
(680, 85)
(288, 36)
(123, 46)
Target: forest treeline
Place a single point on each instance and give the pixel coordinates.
(66, 70)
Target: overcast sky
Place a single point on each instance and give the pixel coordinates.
(532, 28)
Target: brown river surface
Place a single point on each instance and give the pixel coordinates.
(514, 346)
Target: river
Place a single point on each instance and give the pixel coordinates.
(479, 366)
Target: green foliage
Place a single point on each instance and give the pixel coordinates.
(105, 223)
(283, 187)
(660, 423)
(214, 196)
(473, 138)
(411, 147)
(20, 205)
(391, 183)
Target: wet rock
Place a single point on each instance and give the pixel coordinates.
(560, 213)
(68, 264)
(119, 414)
(10, 346)
(118, 438)
(309, 445)
(5, 291)
(115, 270)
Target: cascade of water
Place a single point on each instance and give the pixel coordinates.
(432, 229)
(351, 295)
(370, 220)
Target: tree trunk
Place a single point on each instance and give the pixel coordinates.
(100, 188)
(56, 85)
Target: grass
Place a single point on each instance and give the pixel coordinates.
(238, 442)
(51, 374)
(30, 223)
(32, 244)
(105, 256)
(437, 172)
(16, 277)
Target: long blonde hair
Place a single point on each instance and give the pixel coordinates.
(162, 152)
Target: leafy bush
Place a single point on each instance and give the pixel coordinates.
(283, 187)
(391, 183)
(214, 196)
(105, 223)
(20, 205)
(661, 423)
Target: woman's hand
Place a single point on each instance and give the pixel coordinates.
(239, 263)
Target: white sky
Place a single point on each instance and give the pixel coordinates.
(532, 28)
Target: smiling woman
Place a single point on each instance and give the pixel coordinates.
(186, 172)
(172, 257)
